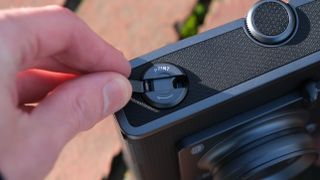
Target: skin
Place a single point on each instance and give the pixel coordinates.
(48, 56)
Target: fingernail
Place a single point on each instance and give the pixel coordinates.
(116, 94)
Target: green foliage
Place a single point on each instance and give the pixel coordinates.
(200, 10)
(191, 25)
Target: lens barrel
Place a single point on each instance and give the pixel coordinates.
(275, 147)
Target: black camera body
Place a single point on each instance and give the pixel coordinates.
(234, 102)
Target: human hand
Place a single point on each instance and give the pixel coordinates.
(90, 85)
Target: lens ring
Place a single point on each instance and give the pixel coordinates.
(267, 155)
(251, 133)
(300, 160)
(272, 146)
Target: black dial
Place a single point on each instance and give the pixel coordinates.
(271, 22)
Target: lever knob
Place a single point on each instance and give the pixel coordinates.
(166, 85)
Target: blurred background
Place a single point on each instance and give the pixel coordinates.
(135, 27)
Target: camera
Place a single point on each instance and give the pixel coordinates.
(237, 102)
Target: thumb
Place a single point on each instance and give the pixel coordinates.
(79, 104)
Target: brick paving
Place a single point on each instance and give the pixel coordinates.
(26, 3)
(225, 11)
(135, 27)
(89, 155)
(221, 12)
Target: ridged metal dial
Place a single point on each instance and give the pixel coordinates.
(271, 22)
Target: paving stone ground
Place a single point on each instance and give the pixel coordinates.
(137, 26)
(225, 11)
(88, 155)
(27, 3)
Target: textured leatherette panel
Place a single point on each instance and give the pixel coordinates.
(227, 60)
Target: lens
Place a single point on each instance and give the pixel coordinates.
(275, 168)
(286, 169)
(274, 147)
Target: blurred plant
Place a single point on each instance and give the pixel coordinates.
(119, 169)
(191, 25)
(72, 4)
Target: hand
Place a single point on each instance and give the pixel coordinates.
(82, 80)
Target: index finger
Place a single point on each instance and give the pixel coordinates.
(30, 35)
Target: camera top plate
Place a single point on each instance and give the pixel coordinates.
(223, 65)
